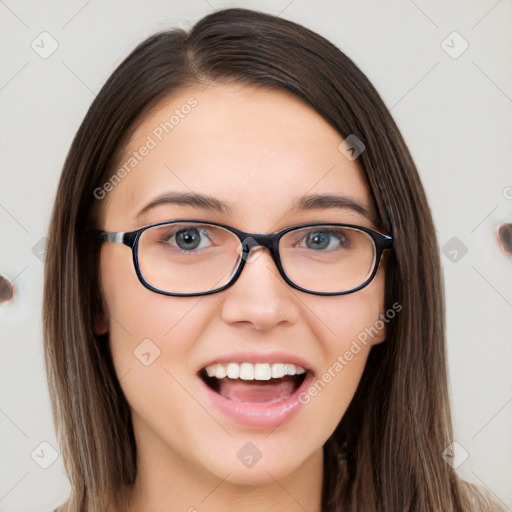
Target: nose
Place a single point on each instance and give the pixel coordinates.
(260, 298)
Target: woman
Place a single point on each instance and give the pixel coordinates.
(243, 299)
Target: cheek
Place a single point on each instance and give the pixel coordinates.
(347, 327)
(136, 313)
(151, 337)
(148, 332)
(352, 317)
(157, 332)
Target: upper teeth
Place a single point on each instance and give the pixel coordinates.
(257, 371)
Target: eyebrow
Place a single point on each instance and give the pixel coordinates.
(324, 201)
(201, 201)
(210, 203)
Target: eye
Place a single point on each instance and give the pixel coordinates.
(322, 239)
(189, 239)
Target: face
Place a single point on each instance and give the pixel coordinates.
(258, 152)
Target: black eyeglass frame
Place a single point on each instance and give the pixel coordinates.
(248, 241)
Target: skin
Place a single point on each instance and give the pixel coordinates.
(260, 151)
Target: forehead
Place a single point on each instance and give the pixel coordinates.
(259, 150)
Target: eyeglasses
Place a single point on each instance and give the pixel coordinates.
(192, 257)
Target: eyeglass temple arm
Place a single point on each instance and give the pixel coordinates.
(106, 236)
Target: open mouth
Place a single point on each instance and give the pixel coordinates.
(255, 383)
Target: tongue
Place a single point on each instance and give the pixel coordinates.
(256, 390)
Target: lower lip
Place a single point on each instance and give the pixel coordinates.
(264, 414)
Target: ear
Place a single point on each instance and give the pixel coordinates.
(381, 327)
(100, 322)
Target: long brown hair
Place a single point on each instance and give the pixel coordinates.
(385, 454)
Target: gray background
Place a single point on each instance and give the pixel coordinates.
(454, 110)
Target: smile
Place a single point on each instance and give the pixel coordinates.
(249, 371)
(256, 394)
